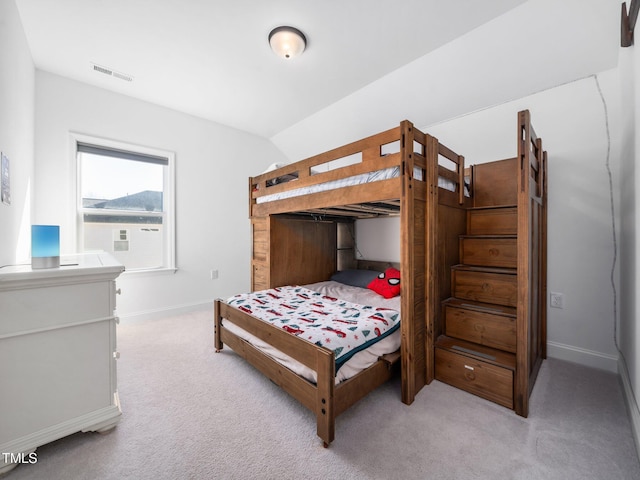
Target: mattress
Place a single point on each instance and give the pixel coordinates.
(356, 363)
(363, 178)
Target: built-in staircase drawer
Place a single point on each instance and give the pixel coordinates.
(489, 251)
(488, 285)
(492, 326)
(475, 376)
(492, 221)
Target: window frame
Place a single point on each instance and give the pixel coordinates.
(168, 201)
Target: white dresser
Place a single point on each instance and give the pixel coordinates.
(57, 352)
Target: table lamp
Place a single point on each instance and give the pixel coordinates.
(45, 246)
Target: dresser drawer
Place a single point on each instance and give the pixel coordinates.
(483, 327)
(474, 376)
(486, 286)
(489, 252)
(89, 301)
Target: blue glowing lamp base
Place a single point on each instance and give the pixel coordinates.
(45, 246)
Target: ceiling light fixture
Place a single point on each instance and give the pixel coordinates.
(287, 42)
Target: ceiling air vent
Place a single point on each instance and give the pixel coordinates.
(112, 73)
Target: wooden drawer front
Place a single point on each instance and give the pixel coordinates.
(259, 249)
(486, 287)
(493, 221)
(489, 252)
(260, 238)
(259, 277)
(491, 330)
(483, 379)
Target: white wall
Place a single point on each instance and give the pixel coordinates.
(487, 66)
(213, 163)
(629, 330)
(16, 134)
(570, 120)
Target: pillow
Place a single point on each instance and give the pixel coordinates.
(355, 278)
(274, 166)
(387, 283)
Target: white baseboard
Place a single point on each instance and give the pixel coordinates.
(583, 356)
(632, 404)
(165, 312)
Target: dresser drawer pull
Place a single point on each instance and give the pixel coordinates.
(469, 368)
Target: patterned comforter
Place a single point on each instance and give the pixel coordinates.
(343, 327)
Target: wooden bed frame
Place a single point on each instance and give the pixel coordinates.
(424, 259)
(326, 399)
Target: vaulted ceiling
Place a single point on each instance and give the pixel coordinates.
(425, 59)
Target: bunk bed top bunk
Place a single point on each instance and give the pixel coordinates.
(396, 172)
(362, 179)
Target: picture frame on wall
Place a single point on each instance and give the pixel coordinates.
(5, 189)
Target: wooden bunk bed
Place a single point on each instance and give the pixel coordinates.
(311, 227)
(301, 238)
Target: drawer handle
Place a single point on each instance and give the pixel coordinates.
(471, 375)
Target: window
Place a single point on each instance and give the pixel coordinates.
(125, 203)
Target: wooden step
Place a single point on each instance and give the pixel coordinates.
(482, 323)
(502, 220)
(484, 284)
(483, 371)
(489, 250)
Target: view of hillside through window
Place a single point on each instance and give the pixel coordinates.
(122, 208)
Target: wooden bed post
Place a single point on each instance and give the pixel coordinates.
(217, 341)
(431, 286)
(325, 413)
(413, 258)
(531, 330)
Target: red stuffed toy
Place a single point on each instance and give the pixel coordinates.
(387, 283)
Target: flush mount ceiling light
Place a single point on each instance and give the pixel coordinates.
(287, 42)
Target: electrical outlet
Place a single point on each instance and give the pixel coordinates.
(214, 274)
(556, 300)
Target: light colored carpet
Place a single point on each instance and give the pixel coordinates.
(189, 413)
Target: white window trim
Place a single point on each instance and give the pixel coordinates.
(169, 220)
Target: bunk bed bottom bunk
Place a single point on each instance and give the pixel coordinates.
(327, 396)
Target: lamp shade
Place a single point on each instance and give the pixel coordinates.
(45, 246)
(287, 42)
